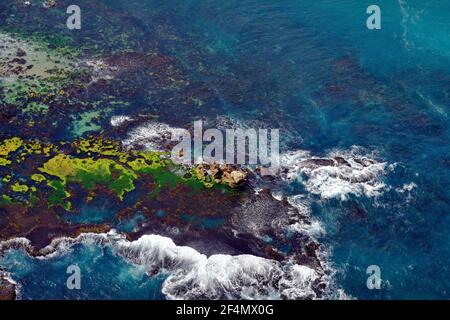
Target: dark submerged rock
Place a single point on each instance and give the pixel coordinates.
(7, 289)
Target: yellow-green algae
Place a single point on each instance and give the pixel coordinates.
(38, 177)
(91, 172)
(22, 188)
(90, 162)
(4, 162)
(6, 200)
(60, 195)
(10, 145)
(7, 147)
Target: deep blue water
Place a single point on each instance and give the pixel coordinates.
(315, 70)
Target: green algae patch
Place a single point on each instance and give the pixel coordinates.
(6, 200)
(89, 172)
(124, 183)
(21, 188)
(38, 178)
(90, 163)
(166, 178)
(59, 166)
(165, 172)
(33, 199)
(9, 146)
(147, 162)
(4, 162)
(59, 195)
(99, 146)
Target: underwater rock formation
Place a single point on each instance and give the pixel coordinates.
(7, 288)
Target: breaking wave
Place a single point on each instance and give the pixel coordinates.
(117, 121)
(155, 136)
(309, 226)
(338, 175)
(192, 275)
(6, 276)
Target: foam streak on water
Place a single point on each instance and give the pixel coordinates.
(338, 175)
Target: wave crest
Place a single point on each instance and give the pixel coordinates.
(338, 175)
(192, 275)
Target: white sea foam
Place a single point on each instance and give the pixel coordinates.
(313, 229)
(117, 121)
(405, 19)
(309, 226)
(17, 286)
(16, 243)
(99, 69)
(407, 190)
(299, 284)
(192, 275)
(407, 187)
(336, 176)
(153, 136)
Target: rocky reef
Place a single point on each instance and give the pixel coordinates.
(56, 176)
(233, 176)
(94, 185)
(65, 166)
(7, 288)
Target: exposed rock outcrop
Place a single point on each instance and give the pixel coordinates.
(7, 288)
(49, 4)
(230, 175)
